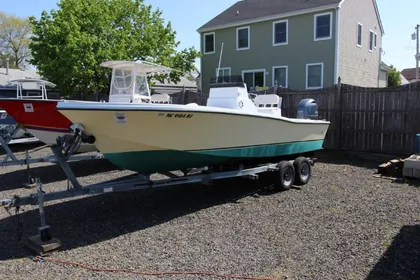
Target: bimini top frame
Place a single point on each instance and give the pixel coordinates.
(129, 80)
(42, 84)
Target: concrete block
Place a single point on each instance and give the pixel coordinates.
(416, 173)
(412, 163)
(408, 172)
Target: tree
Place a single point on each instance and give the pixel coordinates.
(394, 77)
(69, 44)
(15, 35)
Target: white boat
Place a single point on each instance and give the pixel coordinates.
(232, 127)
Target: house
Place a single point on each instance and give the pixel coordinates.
(410, 74)
(300, 44)
(383, 74)
(404, 81)
(170, 87)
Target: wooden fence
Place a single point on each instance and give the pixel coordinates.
(379, 120)
(185, 97)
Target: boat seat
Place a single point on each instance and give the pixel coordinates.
(268, 103)
(268, 100)
(161, 99)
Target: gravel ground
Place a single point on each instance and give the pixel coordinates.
(345, 224)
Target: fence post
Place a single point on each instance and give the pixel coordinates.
(339, 115)
(183, 95)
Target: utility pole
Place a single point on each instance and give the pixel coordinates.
(417, 52)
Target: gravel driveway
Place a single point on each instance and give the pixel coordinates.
(345, 224)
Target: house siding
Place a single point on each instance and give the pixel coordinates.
(300, 50)
(383, 79)
(357, 66)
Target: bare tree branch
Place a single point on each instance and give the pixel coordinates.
(15, 36)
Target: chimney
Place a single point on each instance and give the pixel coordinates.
(7, 66)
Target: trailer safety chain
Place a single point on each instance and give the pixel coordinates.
(19, 225)
(39, 259)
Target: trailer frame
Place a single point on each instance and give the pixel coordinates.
(43, 242)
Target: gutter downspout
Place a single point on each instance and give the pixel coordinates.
(379, 67)
(337, 42)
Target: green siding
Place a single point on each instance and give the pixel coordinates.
(300, 50)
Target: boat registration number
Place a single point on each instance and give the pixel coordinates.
(176, 115)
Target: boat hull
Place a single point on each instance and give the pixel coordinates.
(167, 160)
(160, 138)
(41, 119)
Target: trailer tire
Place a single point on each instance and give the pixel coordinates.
(302, 171)
(286, 176)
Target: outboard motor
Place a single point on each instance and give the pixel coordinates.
(307, 109)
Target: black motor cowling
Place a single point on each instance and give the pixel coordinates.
(307, 109)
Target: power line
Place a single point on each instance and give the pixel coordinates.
(410, 54)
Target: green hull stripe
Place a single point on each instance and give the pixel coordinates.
(166, 160)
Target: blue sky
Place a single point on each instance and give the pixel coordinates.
(187, 16)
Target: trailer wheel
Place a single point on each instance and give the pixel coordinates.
(303, 170)
(286, 176)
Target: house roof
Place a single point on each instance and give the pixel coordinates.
(409, 73)
(245, 10)
(384, 66)
(251, 10)
(403, 80)
(379, 17)
(184, 82)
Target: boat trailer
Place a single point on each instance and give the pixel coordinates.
(43, 242)
(10, 158)
(8, 138)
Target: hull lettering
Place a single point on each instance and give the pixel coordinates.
(176, 115)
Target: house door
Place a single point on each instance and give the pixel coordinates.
(254, 78)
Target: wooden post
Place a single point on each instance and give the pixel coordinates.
(339, 115)
(183, 95)
(276, 86)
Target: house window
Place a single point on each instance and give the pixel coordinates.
(376, 40)
(280, 36)
(322, 26)
(242, 38)
(225, 71)
(314, 75)
(209, 43)
(254, 78)
(359, 34)
(280, 75)
(223, 75)
(370, 40)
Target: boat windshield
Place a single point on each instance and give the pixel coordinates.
(141, 85)
(122, 82)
